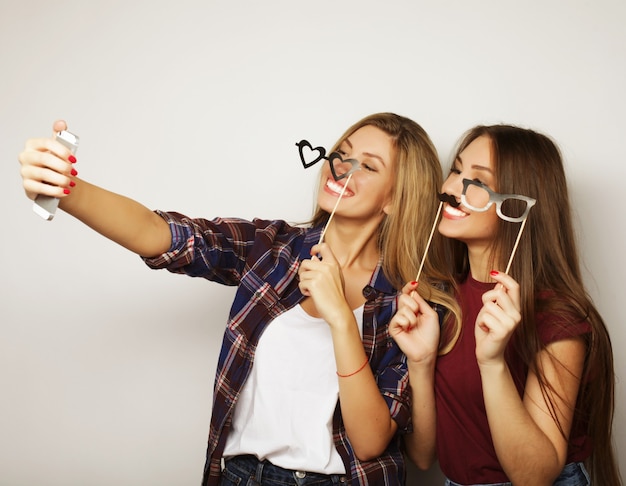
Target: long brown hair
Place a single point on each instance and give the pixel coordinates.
(405, 230)
(547, 264)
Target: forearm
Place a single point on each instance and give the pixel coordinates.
(421, 443)
(526, 454)
(118, 218)
(365, 413)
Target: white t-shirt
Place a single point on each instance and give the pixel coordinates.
(285, 410)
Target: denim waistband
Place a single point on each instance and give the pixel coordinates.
(266, 471)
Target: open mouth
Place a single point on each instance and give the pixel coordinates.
(454, 212)
(336, 188)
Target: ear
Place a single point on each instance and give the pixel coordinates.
(388, 207)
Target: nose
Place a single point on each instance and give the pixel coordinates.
(451, 191)
(453, 186)
(342, 168)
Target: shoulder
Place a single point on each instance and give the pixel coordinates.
(558, 318)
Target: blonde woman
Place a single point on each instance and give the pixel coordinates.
(310, 387)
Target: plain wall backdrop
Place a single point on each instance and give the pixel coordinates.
(107, 367)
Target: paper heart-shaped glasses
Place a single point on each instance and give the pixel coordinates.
(339, 167)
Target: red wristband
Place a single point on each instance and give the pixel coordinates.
(354, 372)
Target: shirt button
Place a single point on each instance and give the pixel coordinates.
(300, 474)
(368, 291)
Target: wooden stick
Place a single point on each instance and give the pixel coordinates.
(519, 235)
(432, 231)
(334, 209)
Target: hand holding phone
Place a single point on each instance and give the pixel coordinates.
(46, 206)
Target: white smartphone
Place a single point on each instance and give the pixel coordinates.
(46, 206)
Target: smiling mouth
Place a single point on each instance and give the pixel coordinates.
(337, 188)
(456, 212)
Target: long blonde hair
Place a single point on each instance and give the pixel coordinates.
(404, 232)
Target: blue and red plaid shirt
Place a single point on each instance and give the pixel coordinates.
(262, 258)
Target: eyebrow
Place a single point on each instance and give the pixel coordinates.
(368, 154)
(475, 166)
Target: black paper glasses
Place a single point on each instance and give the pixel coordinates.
(339, 168)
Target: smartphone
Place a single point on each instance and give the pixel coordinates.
(46, 206)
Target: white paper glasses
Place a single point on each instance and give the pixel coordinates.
(510, 207)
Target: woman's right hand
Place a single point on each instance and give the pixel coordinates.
(47, 169)
(47, 166)
(415, 326)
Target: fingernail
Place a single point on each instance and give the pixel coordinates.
(74, 172)
(72, 183)
(493, 273)
(72, 159)
(66, 191)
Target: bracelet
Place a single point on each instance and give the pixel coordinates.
(354, 372)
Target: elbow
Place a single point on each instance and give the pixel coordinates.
(424, 465)
(421, 453)
(539, 475)
(368, 453)
(423, 462)
(369, 446)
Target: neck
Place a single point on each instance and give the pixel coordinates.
(354, 244)
(479, 262)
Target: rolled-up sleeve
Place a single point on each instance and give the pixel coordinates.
(213, 249)
(181, 237)
(393, 383)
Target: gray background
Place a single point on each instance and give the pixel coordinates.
(106, 367)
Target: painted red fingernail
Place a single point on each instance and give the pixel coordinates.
(66, 191)
(72, 159)
(72, 183)
(74, 172)
(494, 273)
(414, 282)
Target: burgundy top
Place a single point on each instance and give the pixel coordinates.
(464, 446)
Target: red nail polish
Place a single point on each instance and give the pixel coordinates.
(414, 282)
(493, 273)
(66, 191)
(72, 159)
(72, 183)
(74, 172)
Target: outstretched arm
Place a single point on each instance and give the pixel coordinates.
(46, 169)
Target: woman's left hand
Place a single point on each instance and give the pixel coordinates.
(322, 280)
(497, 319)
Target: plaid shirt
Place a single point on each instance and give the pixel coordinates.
(262, 258)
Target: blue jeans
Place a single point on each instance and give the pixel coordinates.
(573, 474)
(249, 471)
